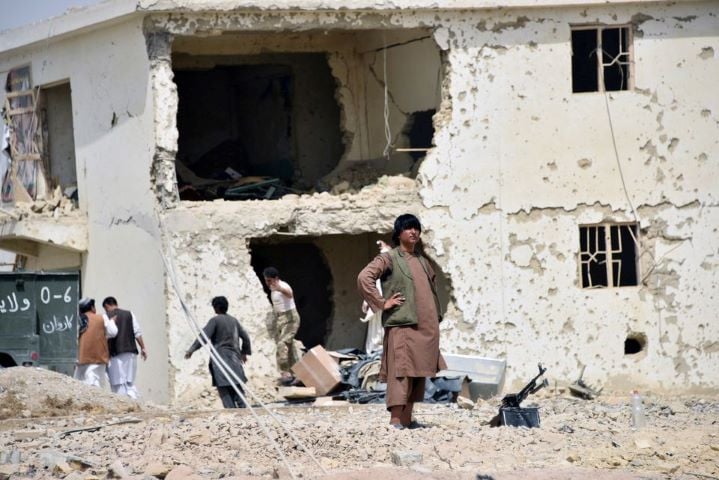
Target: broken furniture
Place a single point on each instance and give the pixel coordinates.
(319, 370)
(483, 377)
(512, 414)
(580, 389)
(262, 189)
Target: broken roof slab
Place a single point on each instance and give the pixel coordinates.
(25, 235)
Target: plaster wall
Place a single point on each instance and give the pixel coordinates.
(520, 162)
(113, 119)
(208, 245)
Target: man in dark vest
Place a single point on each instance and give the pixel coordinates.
(224, 332)
(92, 350)
(123, 349)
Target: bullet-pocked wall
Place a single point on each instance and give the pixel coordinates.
(524, 168)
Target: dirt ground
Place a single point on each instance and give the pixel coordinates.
(96, 435)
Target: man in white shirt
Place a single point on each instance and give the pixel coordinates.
(123, 349)
(287, 321)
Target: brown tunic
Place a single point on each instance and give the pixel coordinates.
(92, 346)
(410, 351)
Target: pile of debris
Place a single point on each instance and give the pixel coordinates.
(352, 376)
(35, 392)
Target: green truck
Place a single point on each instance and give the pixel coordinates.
(39, 320)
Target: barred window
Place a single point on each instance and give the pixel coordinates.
(601, 58)
(608, 255)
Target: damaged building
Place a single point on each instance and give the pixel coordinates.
(559, 154)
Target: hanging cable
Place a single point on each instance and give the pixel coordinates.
(387, 128)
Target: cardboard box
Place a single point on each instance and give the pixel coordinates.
(318, 369)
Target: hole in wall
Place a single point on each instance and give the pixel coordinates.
(635, 343)
(303, 266)
(322, 271)
(261, 114)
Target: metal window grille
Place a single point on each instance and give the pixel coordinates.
(608, 255)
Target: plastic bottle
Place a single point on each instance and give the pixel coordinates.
(638, 419)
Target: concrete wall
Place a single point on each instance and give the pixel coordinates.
(520, 162)
(113, 117)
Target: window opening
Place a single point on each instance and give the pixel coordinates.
(255, 126)
(608, 255)
(58, 137)
(601, 59)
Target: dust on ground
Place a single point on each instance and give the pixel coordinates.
(577, 439)
(35, 392)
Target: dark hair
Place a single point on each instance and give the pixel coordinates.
(220, 304)
(87, 306)
(402, 223)
(270, 272)
(112, 301)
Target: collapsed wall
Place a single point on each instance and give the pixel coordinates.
(522, 172)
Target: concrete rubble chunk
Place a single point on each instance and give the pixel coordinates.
(643, 442)
(117, 470)
(465, 403)
(11, 456)
(157, 437)
(158, 470)
(7, 471)
(54, 460)
(406, 458)
(181, 473)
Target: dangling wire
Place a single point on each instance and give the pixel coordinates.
(387, 129)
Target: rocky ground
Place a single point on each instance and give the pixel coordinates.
(97, 435)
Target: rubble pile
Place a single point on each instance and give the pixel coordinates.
(56, 205)
(577, 439)
(35, 392)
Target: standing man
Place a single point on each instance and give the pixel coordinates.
(93, 354)
(123, 351)
(224, 332)
(410, 316)
(287, 321)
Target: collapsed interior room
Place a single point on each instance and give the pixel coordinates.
(322, 271)
(261, 115)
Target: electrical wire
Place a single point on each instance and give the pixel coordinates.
(387, 129)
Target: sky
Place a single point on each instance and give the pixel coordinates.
(16, 13)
